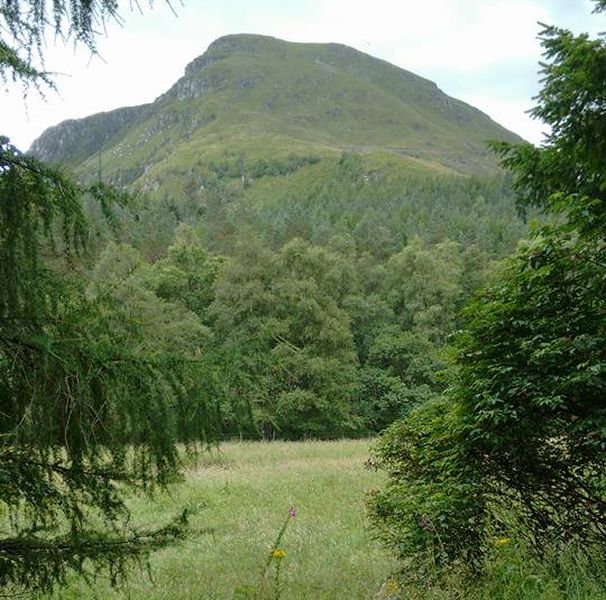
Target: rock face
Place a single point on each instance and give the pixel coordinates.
(247, 90)
(77, 139)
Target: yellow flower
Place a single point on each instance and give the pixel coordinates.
(278, 553)
(391, 587)
(503, 542)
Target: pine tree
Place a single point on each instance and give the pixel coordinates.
(24, 24)
(86, 406)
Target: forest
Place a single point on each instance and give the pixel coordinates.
(445, 328)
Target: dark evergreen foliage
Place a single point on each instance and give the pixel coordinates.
(87, 407)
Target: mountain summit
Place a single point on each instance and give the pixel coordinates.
(261, 97)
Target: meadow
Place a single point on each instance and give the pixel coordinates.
(241, 496)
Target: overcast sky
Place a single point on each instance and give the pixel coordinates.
(484, 52)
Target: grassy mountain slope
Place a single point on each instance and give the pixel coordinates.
(263, 97)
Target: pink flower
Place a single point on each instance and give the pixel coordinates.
(292, 512)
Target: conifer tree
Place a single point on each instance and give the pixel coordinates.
(87, 411)
(25, 23)
(87, 406)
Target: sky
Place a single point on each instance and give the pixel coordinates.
(484, 52)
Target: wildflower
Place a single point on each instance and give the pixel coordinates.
(278, 553)
(504, 541)
(293, 512)
(391, 587)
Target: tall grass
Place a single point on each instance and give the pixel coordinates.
(241, 496)
(513, 573)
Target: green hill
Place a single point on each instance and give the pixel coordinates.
(262, 97)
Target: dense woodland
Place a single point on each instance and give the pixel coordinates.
(308, 297)
(323, 318)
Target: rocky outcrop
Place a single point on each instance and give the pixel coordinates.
(76, 139)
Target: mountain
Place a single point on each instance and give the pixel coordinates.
(261, 97)
(323, 214)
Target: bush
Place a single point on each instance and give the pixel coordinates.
(432, 510)
(524, 423)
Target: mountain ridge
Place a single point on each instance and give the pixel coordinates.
(287, 96)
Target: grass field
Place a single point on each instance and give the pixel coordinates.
(244, 492)
(242, 495)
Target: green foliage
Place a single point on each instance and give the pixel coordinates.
(94, 393)
(303, 343)
(512, 571)
(278, 314)
(382, 205)
(187, 274)
(400, 373)
(425, 287)
(259, 168)
(531, 386)
(572, 177)
(533, 359)
(523, 424)
(283, 323)
(381, 398)
(19, 68)
(431, 511)
(406, 354)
